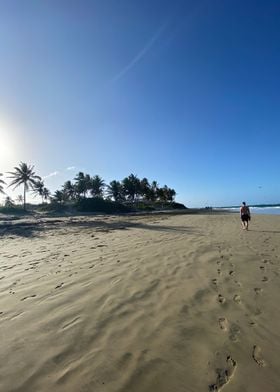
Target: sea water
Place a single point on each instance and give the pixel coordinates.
(259, 210)
(265, 210)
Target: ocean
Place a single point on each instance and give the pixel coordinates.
(259, 210)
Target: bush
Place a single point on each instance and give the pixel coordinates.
(96, 204)
(13, 210)
(140, 206)
(52, 207)
(169, 205)
(178, 206)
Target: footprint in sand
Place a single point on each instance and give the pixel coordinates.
(60, 285)
(258, 312)
(223, 323)
(215, 281)
(252, 323)
(262, 267)
(258, 290)
(257, 356)
(231, 273)
(221, 299)
(265, 261)
(223, 375)
(237, 299)
(234, 332)
(29, 296)
(219, 271)
(265, 279)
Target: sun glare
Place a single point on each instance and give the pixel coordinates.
(7, 146)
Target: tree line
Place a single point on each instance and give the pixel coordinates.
(130, 189)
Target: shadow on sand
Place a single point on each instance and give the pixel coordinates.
(36, 228)
(266, 231)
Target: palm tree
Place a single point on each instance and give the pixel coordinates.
(115, 190)
(69, 189)
(25, 175)
(166, 194)
(171, 193)
(131, 186)
(58, 197)
(2, 182)
(38, 189)
(46, 194)
(83, 183)
(97, 186)
(154, 190)
(161, 195)
(145, 189)
(19, 199)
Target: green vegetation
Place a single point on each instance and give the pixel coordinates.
(97, 204)
(91, 194)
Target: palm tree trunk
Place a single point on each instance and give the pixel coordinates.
(24, 196)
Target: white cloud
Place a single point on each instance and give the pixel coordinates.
(71, 168)
(53, 174)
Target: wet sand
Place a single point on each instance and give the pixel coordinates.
(140, 304)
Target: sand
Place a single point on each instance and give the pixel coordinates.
(140, 304)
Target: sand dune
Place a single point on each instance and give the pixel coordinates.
(140, 304)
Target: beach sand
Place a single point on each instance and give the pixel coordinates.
(140, 304)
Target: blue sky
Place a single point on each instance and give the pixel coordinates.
(183, 92)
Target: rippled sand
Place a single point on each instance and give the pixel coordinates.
(140, 304)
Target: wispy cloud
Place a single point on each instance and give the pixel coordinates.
(140, 54)
(71, 168)
(53, 174)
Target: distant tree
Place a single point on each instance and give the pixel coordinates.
(38, 189)
(154, 191)
(131, 186)
(46, 194)
(9, 202)
(145, 189)
(97, 186)
(25, 175)
(166, 194)
(69, 190)
(82, 184)
(115, 191)
(161, 194)
(171, 194)
(2, 182)
(58, 197)
(19, 199)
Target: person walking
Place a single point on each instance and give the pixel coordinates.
(245, 216)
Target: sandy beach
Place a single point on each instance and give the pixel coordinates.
(140, 304)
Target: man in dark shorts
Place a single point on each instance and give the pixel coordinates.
(245, 216)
